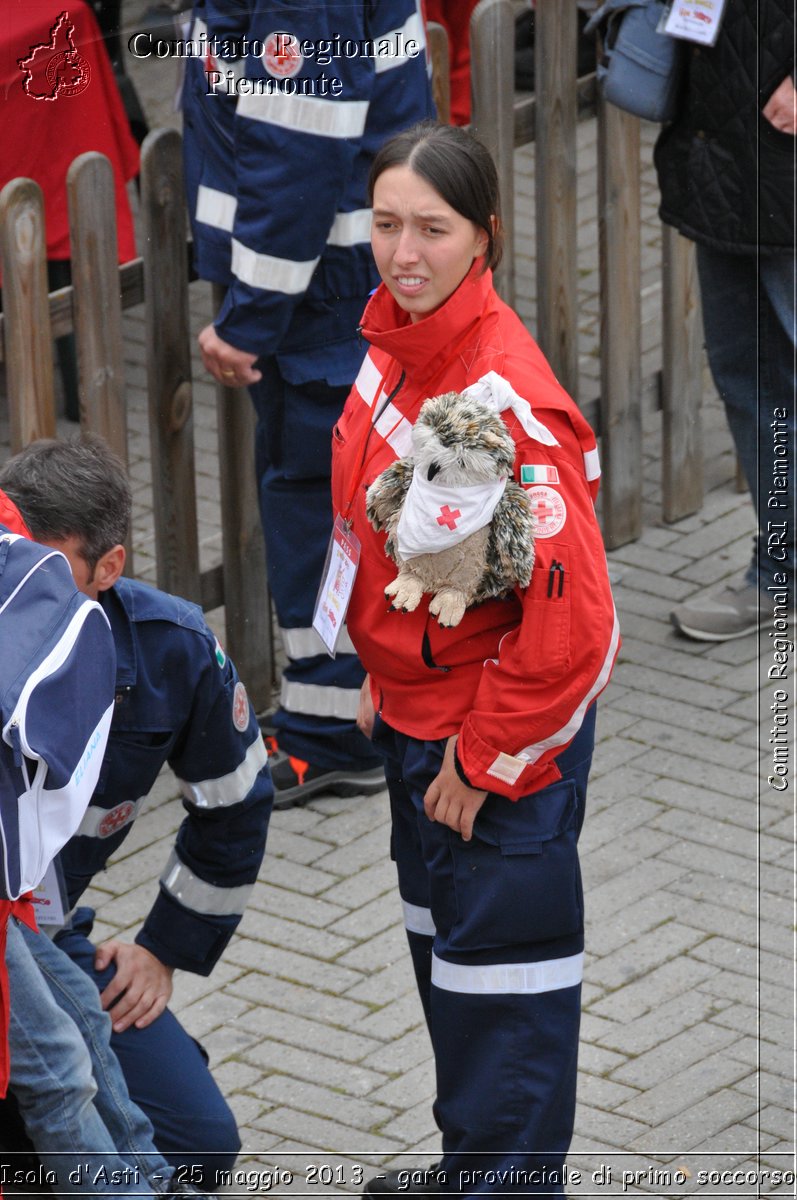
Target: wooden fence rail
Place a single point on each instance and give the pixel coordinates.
(549, 118)
(92, 308)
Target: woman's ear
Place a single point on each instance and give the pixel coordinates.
(109, 568)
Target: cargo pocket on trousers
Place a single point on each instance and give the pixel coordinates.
(517, 881)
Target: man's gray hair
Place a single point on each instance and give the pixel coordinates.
(73, 488)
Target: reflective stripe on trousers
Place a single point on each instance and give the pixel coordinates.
(495, 928)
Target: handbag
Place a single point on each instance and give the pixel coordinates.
(640, 70)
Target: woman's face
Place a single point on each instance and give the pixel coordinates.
(422, 246)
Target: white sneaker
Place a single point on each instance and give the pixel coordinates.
(731, 613)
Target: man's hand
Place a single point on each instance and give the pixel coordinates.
(226, 363)
(449, 800)
(366, 711)
(142, 982)
(781, 108)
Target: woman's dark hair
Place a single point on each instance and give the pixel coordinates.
(457, 166)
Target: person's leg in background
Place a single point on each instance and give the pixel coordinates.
(749, 324)
(321, 749)
(167, 1074)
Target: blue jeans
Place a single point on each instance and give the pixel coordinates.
(67, 1082)
(167, 1076)
(749, 325)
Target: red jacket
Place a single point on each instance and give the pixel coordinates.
(516, 676)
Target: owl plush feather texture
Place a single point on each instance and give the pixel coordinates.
(457, 441)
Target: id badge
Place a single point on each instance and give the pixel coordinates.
(49, 898)
(695, 20)
(337, 584)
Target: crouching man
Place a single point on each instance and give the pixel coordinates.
(179, 701)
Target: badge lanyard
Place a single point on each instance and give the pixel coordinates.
(694, 20)
(343, 552)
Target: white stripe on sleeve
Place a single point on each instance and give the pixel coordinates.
(266, 271)
(306, 114)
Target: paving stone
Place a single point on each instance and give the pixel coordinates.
(304, 1032)
(743, 959)
(634, 960)
(299, 967)
(712, 1115)
(304, 939)
(696, 771)
(640, 844)
(661, 1023)
(302, 1063)
(326, 1135)
(365, 885)
(669, 1097)
(385, 984)
(661, 984)
(395, 1019)
(669, 1059)
(370, 918)
(282, 873)
(324, 1102)
(291, 997)
(410, 1087)
(310, 910)
(666, 683)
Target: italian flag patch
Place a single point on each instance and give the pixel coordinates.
(538, 474)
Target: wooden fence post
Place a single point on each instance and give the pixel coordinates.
(556, 184)
(492, 39)
(621, 374)
(96, 302)
(441, 70)
(169, 364)
(681, 379)
(28, 338)
(247, 603)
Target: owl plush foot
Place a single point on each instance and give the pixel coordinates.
(405, 591)
(448, 606)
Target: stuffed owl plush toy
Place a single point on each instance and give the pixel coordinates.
(458, 527)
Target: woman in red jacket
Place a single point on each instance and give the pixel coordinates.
(487, 728)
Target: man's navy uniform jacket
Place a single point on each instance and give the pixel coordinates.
(178, 701)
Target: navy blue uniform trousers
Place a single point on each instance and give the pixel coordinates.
(320, 695)
(495, 929)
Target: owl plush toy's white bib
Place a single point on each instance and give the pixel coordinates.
(435, 516)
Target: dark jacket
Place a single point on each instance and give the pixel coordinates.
(726, 174)
(178, 701)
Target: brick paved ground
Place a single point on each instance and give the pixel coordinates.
(311, 1020)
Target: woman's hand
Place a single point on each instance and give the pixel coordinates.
(366, 711)
(449, 800)
(781, 108)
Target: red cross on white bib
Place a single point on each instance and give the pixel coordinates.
(449, 517)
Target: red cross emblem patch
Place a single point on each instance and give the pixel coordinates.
(548, 511)
(282, 57)
(449, 517)
(115, 818)
(240, 708)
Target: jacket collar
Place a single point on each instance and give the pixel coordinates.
(422, 348)
(115, 608)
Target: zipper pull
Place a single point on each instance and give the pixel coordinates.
(16, 743)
